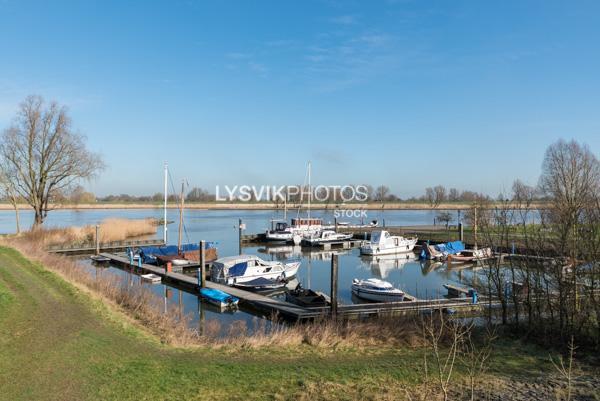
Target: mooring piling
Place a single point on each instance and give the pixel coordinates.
(97, 239)
(202, 270)
(239, 236)
(334, 285)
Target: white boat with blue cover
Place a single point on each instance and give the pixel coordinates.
(243, 268)
(373, 289)
(218, 297)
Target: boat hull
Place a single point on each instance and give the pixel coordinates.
(279, 237)
(290, 272)
(261, 286)
(307, 298)
(376, 296)
(218, 298)
(370, 251)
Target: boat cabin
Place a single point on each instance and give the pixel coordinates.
(235, 266)
(382, 237)
(306, 223)
(281, 227)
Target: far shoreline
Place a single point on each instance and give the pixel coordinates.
(266, 206)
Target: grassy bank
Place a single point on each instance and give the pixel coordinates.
(57, 342)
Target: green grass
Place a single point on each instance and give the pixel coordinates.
(57, 343)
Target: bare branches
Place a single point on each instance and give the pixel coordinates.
(566, 371)
(41, 155)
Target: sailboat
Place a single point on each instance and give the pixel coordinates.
(182, 254)
(299, 227)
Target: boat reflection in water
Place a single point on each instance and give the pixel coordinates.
(382, 266)
(284, 252)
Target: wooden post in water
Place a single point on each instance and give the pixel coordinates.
(200, 316)
(461, 233)
(334, 285)
(97, 239)
(336, 225)
(475, 228)
(202, 270)
(239, 236)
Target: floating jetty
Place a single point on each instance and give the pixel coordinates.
(456, 291)
(277, 307)
(93, 247)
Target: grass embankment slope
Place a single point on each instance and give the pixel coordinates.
(59, 343)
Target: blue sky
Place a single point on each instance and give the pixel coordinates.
(404, 93)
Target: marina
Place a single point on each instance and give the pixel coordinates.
(422, 282)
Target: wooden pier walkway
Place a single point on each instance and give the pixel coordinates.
(456, 291)
(261, 302)
(90, 247)
(296, 312)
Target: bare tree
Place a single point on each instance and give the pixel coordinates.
(11, 195)
(453, 195)
(571, 180)
(381, 193)
(40, 154)
(445, 218)
(566, 371)
(444, 339)
(475, 355)
(430, 196)
(440, 194)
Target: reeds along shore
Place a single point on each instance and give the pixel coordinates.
(112, 229)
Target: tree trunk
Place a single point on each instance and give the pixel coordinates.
(17, 219)
(38, 219)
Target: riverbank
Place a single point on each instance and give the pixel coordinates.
(59, 342)
(268, 206)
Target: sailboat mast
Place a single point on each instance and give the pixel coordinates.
(180, 218)
(165, 206)
(285, 206)
(309, 191)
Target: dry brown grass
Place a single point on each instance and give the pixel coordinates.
(112, 229)
(147, 309)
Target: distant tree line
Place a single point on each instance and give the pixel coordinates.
(434, 196)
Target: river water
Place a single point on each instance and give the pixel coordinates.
(420, 279)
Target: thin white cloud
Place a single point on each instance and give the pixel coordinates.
(238, 56)
(344, 20)
(258, 68)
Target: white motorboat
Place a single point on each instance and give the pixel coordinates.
(325, 236)
(376, 290)
(151, 277)
(382, 243)
(280, 233)
(470, 255)
(299, 228)
(243, 268)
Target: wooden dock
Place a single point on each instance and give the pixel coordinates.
(456, 291)
(90, 247)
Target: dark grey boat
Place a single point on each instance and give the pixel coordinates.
(307, 297)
